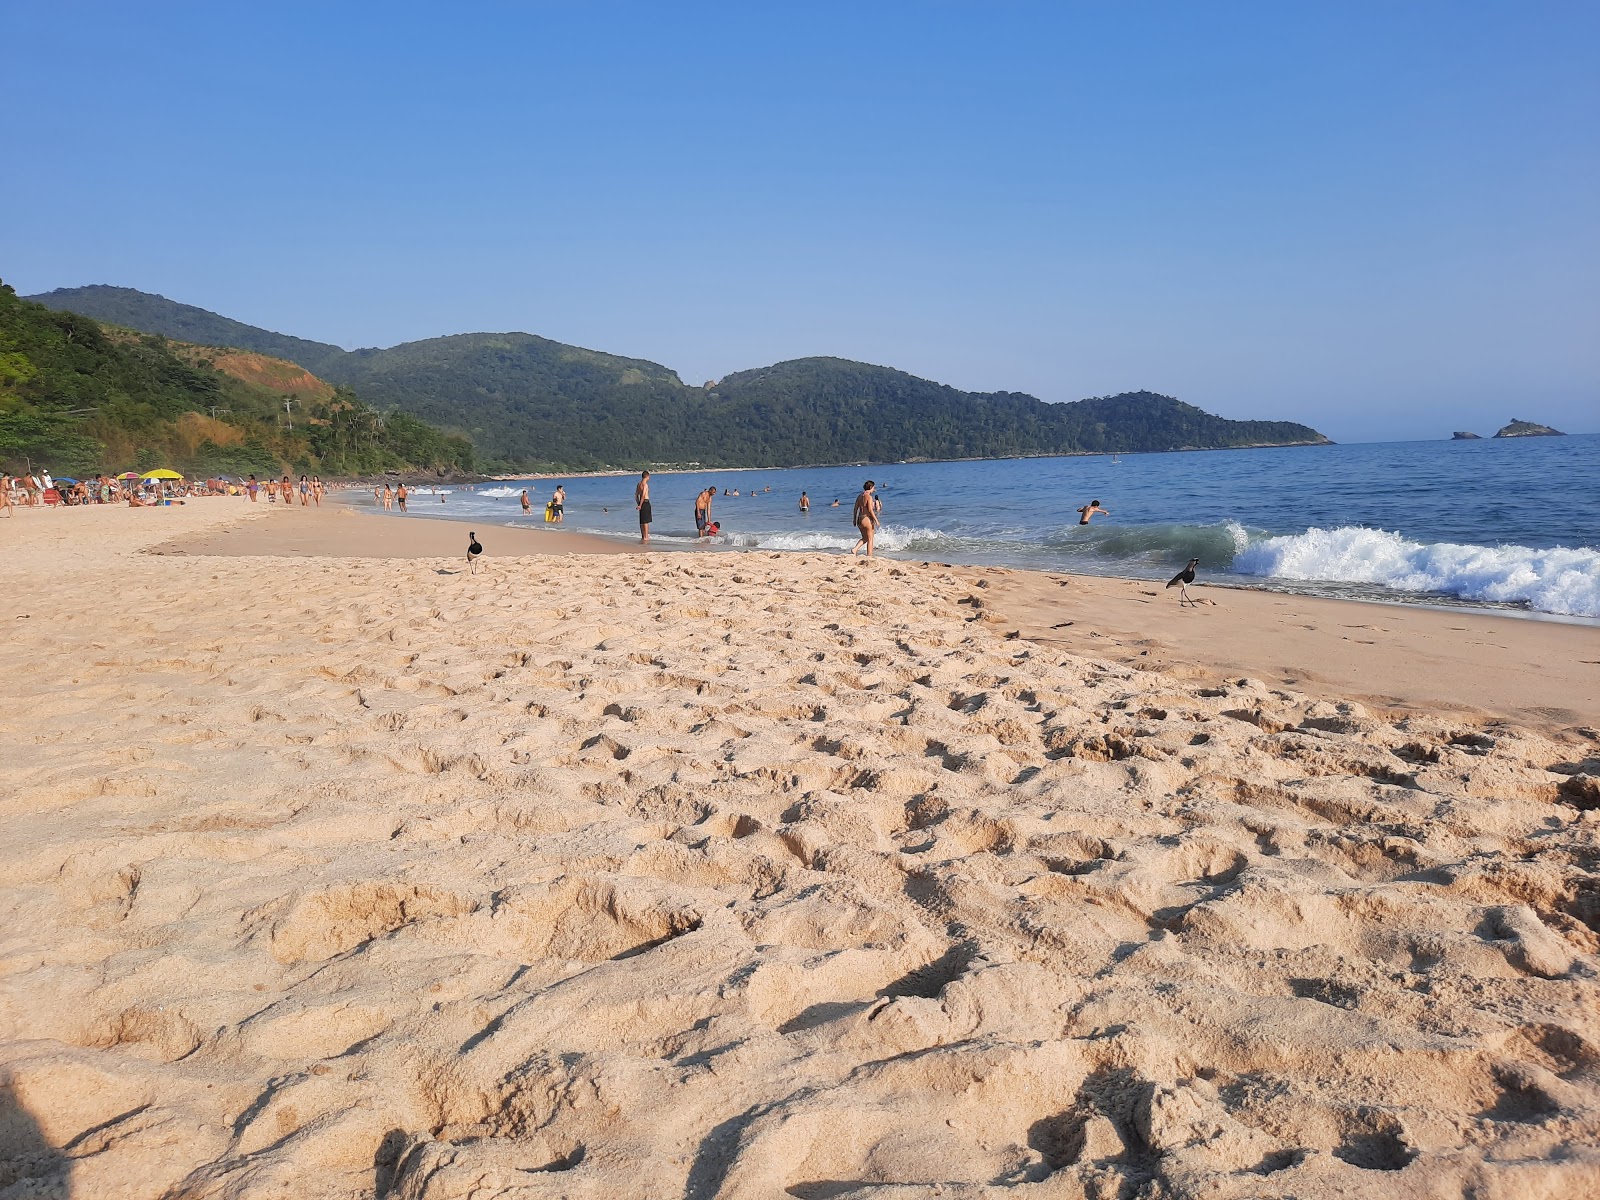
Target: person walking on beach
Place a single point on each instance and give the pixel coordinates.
(316, 489)
(1091, 509)
(641, 501)
(558, 502)
(400, 497)
(388, 498)
(805, 503)
(527, 505)
(865, 517)
(252, 487)
(702, 510)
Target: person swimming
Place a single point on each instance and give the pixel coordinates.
(1091, 509)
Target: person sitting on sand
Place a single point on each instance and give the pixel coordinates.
(1091, 509)
(865, 517)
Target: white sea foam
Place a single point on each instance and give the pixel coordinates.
(890, 537)
(499, 493)
(1557, 580)
(1239, 534)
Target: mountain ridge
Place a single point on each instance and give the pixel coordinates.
(527, 401)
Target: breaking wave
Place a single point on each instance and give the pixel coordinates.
(890, 537)
(1558, 580)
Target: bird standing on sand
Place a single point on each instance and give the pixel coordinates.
(475, 548)
(1182, 580)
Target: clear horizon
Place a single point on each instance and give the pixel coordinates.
(1379, 222)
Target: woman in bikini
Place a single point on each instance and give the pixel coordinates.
(865, 517)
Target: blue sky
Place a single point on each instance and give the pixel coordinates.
(1380, 218)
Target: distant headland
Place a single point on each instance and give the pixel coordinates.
(528, 402)
(1519, 428)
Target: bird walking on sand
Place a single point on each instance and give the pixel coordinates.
(474, 548)
(1182, 580)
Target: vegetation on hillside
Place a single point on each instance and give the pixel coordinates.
(530, 402)
(1520, 428)
(80, 398)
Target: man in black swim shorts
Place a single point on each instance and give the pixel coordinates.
(641, 501)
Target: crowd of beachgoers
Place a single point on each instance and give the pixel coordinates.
(39, 489)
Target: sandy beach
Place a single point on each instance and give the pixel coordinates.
(335, 871)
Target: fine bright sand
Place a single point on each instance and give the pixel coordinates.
(761, 875)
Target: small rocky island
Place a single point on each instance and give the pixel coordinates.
(1460, 436)
(1527, 429)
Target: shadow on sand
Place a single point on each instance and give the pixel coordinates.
(29, 1165)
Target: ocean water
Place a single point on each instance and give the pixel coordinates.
(1512, 524)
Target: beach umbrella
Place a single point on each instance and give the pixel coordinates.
(163, 473)
(129, 475)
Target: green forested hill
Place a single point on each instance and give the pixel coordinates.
(133, 309)
(527, 401)
(79, 398)
(855, 411)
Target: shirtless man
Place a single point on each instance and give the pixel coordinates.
(1091, 509)
(865, 517)
(527, 505)
(702, 510)
(641, 501)
(558, 501)
(400, 497)
(805, 503)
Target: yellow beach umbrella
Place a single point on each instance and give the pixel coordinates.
(163, 473)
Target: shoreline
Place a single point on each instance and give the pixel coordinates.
(1400, 658)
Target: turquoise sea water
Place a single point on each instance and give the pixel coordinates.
(1512, 523)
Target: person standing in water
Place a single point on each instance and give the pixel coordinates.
(527, 505)
(805, 503)
(558, 502)
(1091, 509)
(641, 501)
(865, 517)
(702, 509)
(400, 497)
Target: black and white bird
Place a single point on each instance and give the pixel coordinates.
(1182, 580)
(475, 548)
